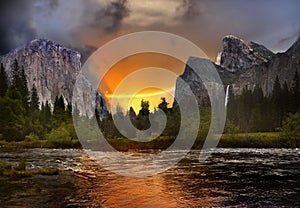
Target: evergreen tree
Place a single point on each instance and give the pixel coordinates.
(60, 115)
(34, 100)
(20, 82)
(45, 117)
(232, 107)
(132, 113)
(286, 106)
(295, 93)
(257, 119)
(59, 105)
(15, 74)
(144, 108)
(163, 105)
(3, 81)
(24, 90)
(244, 109)
(277, 103)
(12, 115)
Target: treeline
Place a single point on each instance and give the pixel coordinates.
(253, 112)
(141, 120)
(24, 118)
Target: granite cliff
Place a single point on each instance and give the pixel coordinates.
(236, 55)
(240, 65)
(283, 65)
(53, 69)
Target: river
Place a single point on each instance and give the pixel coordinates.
(229, 178)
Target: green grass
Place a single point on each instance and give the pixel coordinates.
(247, 140)
(19, 171)
(257, 140)
(75, 143)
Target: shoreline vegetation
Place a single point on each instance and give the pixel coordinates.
(238, 140)
(20, 171)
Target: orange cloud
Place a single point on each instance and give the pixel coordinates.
(133, 63)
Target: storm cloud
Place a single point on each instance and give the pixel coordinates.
(15, 24)
(87, 24)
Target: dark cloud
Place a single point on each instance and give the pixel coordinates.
(71, 22)
(117, 11)
(15, 24)
(190, 8)
(86, 24)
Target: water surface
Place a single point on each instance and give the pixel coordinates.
(229, 178)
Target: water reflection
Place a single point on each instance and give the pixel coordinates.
(230, 177)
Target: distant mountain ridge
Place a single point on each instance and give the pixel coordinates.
(283, 65)
(53, 69)
(235, 55)
(247, 65)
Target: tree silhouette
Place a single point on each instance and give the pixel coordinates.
(3, 81)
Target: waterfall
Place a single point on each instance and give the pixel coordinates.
(227, 95)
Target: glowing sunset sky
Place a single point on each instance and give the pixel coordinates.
(136, 62)
(85, 25)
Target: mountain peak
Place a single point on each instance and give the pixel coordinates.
(44, 46)
(232, 37)
(235, 55)
(53, 69)
(295, 48)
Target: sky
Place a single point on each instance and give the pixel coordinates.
(85, 25)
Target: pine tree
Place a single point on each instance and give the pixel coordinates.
(12, 115)
(20, 82)
(163, 105)
(295, 93)
(15, 74)
(257, 114)
(24, 89)
(286, 106)
(277, 103)
(132, 113)
(3, 81)
(144, 108)
(34, 100)
(45, 117)
(59, 105)
(60, 114)
(232, 107)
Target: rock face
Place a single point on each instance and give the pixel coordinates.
(51, 67)
(235, 55)
(196, 83)
(241, 65)
(282, 65)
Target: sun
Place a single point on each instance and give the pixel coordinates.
(131, 96)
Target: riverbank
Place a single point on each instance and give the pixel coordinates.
(239, 140)
(40, 144)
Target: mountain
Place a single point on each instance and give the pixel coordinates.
(195, 82)
(283, 65)
(240, 65)
(235, 55)
(53, 69)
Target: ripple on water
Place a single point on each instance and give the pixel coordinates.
(230, 177)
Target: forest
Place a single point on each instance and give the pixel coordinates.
(249, 116)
